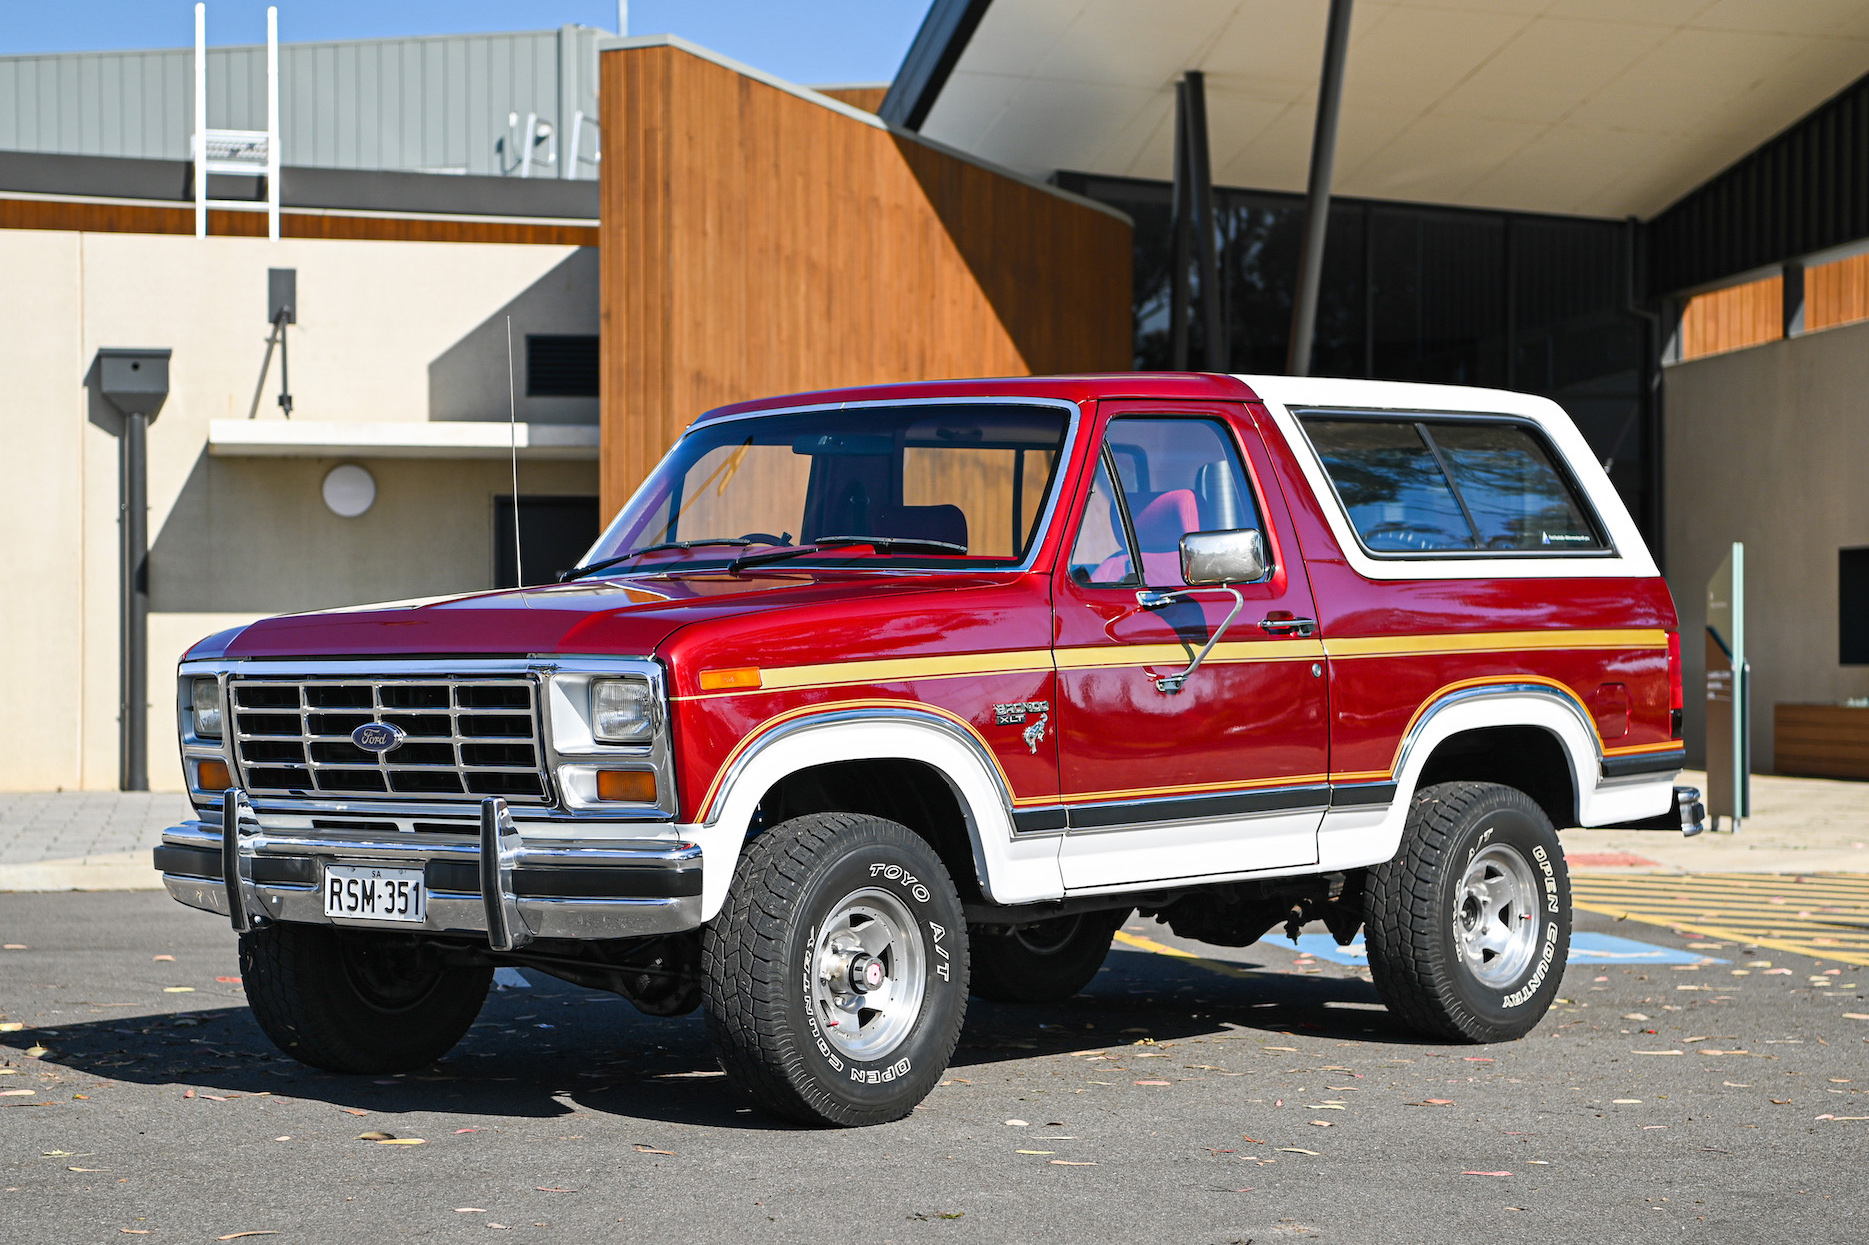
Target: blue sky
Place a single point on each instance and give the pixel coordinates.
(808, 41)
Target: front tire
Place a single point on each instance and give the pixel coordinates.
(1043, 963)
(356, 1001)
(1468, 927)
(835, 976)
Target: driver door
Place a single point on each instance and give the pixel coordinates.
(1228, 774)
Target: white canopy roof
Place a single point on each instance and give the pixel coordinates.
(1592, 107)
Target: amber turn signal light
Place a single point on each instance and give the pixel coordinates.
(727, 680)
(631, 786)
(213, 776)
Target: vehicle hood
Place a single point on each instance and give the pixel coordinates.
(618, 616)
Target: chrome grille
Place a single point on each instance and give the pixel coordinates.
(464, 738)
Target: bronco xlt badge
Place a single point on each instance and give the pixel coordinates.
(1013, 714)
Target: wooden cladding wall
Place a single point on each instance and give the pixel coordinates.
(756, 242)
(868, 98)
(1836, 293)
(1752, 314)
(137, 218)
(1733, 318)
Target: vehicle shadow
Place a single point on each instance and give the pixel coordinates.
(1142, 995)
(556, 1050)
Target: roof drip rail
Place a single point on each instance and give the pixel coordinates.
(241, 153)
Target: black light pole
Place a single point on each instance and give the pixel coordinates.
(1183, 239)
(1195, 229)
(1317, 205)
(136, 382)
(1206, 229)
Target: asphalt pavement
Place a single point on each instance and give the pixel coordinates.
(1193, 1094)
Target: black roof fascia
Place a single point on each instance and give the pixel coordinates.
(358, 190)
(938, 45)
(1800, 192)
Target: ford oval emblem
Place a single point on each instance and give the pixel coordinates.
(377, 737)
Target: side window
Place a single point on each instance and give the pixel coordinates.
(1177, 475)
(1447, 486)
(1398, 498)
(1512, 489)
(1101, 554)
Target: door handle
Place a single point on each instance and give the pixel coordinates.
(1288, 626)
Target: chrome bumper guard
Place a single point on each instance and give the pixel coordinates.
(1692, 812)
(498, 885)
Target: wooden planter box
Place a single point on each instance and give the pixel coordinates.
(1820, 741)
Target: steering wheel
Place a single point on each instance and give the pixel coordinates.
(767, 538)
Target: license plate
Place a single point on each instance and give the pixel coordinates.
(367, 892)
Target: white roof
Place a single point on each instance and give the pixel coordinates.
(1592, 107)
(1284, 394)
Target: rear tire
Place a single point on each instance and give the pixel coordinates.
(835, 976)
(356, 1001)
(1043, 963)
(1468, 927)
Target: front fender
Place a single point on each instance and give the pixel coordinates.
(1010, 868)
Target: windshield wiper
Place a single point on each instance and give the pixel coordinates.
(579, 572)
(882, 544)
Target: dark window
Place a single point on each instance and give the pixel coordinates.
(1853, 607)
(1448, 486)
(561, 365)
(554, 532)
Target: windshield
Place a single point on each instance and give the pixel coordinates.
(976, 477)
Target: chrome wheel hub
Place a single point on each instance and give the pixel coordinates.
(1496, 916)
(869, 973)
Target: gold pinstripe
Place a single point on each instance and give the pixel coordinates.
(1491, 641)
(1093, 657)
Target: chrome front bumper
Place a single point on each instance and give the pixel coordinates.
(497, 886)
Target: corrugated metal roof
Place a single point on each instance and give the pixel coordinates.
(439, 104)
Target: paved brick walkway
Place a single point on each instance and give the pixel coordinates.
(69, 825)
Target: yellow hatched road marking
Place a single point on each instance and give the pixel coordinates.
(1822, 915)
(1161, 948)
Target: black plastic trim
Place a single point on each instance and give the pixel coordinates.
(1184, 808)
(1029, 820)
(1356, 794)
(1647, 763)
(205, 863)
(573, 881)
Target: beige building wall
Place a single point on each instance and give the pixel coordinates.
(1770, 446)
(387, 331)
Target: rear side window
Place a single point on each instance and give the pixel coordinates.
(1451, 487)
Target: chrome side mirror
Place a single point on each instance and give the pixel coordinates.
(1235, 557)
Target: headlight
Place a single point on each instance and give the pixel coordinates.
(622, 710)
(205, 694)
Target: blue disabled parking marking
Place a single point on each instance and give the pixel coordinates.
(1585, 948)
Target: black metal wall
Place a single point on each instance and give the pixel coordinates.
(1803, 191)
(1411, 292)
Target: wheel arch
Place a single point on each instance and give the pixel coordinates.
(1480, 733)
(845, 754)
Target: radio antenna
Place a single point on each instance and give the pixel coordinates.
(512, 423)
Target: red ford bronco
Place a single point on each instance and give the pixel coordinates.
(871, 699)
